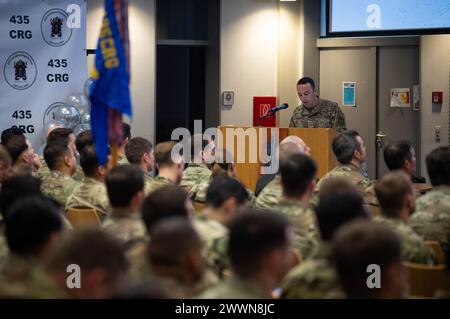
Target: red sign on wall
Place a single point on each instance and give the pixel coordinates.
(261, 107)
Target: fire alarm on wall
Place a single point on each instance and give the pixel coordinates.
(436, 97)
(228, 98)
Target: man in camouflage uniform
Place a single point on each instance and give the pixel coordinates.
(139, 151)
(170, 170)
(316, 277)
(350, 152)
(271, 194)
(34, 226)
(432, 217)
(91, 193)
(62, 163)
(197, 172)
(314, 111)
(253, 251)
(62, 135)
(225, 198)
(397, 200)
(125, 185)
(298, 173)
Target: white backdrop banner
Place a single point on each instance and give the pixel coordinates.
(42, 60)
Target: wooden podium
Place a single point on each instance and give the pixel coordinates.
(248, 171)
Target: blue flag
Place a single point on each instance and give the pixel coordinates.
(110, 93)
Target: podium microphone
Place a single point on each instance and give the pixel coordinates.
(279, 108)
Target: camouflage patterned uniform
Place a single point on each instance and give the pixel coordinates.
(214, 236)
(44, 172)
(234, 288)
(364, 184)
(414, 248)
(91, 194)
(314, 278)
(194, 176)
(303, 221)
(271, 195)
(122, 160)
(21, 278)
(326, 114)
(158, 182)
(432, 217)
(126, 227)
(58, 186)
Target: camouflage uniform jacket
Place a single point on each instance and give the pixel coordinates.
(271, 195)
(234, 288)
(44, 172)
(326, 114)
(23, 278)
(158, 182)
(193, 177)
(364, 184)
(126, 227)
(122, 160)
(58, 186)
(91, 194)
(304, 224)
(214, 236)
(414, 248)
(315, 278)
(432, 217)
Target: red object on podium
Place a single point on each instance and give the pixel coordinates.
(261, 107)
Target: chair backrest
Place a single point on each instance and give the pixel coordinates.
(437, 249)
(81, 217)
(426, 280)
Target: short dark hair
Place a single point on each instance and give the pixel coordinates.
(15, 146)
(83, 139)
(391, 191)
(126, 130)
(396, 153)
(297, 171)
(89, 249)
(123, 182)
(253, 235)
(54, 153)
(344, 146)
(88, 160)
(171, 239)
(10, 132)
(306, 80)
(438, 166)
(59, 134)
(358, 245)
(16, 188)
(167, 201)
(222, 188)
(29, 224)
(335, 210)
(136, 148)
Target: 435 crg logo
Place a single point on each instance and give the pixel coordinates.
(55, 27)
(20, 70)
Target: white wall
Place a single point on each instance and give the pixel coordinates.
(249, 42)
(142, 29)
(435, 73)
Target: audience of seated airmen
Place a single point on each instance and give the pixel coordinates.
(170, 167)
(61, 161)
(432, 217)
(397, 200)
(91, 193)
(139, 151)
